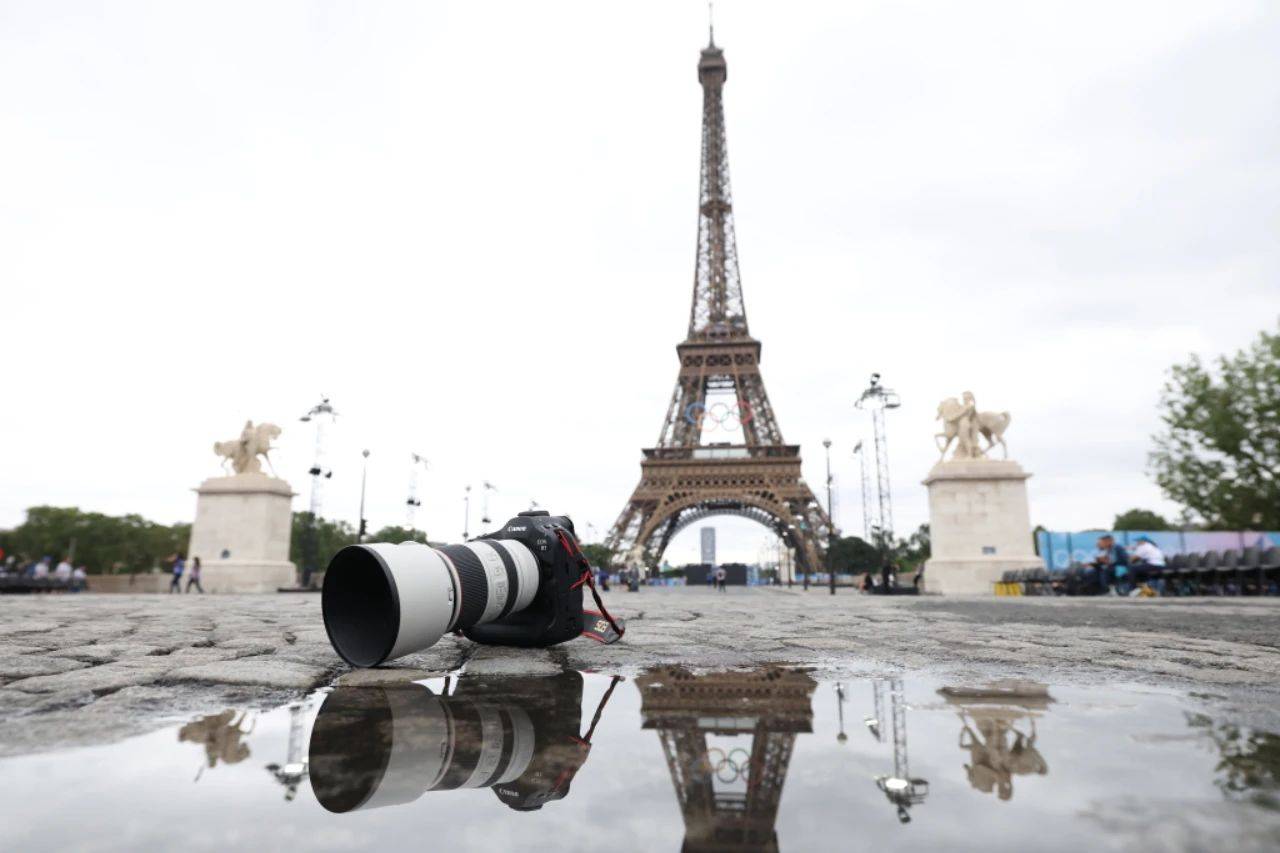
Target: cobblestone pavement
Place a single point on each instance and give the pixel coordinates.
(89, 668)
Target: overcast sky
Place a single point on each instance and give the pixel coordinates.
(473, 226)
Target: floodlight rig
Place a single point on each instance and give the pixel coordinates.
(466, 517)
(878, 399)
(322, 414)
(484, 511)
(866, 491)
(296, 765)
(417, 464)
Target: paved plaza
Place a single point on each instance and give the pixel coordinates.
(90, 668)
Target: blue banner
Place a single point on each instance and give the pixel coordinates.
(1061, 549)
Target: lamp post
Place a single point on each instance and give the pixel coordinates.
(364, 478)
(831, 523)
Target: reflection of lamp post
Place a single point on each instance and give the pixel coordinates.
(842, 737)
(364, 477)
(831, 523)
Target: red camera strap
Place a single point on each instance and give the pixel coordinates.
(603, 628)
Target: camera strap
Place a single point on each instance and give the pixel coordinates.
(601, 627)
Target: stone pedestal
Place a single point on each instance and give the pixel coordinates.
(241, 533)
(979, 525)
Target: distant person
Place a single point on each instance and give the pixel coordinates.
(918, 579)
(711, 577)
(1111, 562)
(721, 574)
(179, 566)
(79, 579)
(1148, 561)
(63, 571)
(41, 569)
(193, 579)
(888, 576)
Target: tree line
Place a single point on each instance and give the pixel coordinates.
(122, 544)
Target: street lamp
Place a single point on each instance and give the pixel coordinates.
(364, 477)
(831, 523)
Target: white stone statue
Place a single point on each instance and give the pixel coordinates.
(243, 452)
(963, 423)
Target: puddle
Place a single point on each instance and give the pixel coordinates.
(770, 759)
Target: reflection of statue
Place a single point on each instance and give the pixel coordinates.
(220, 734)
(243, 452)
(998, 748)
(729, 794)
(962, 423)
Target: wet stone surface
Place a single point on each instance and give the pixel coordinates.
(92, 668)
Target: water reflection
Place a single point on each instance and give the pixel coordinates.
(295, 768)
(1249, 760)
(220, 734)
(728, 789)
(998, 728)
(901, 788)
(522, 737)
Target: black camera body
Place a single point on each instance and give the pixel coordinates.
(555, 615)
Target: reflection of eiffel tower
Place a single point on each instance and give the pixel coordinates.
(771, 706)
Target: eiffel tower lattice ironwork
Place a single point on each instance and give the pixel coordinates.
(727, 807)
(685, 478)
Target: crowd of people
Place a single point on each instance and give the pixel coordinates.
(1114, 570)
(64, 577)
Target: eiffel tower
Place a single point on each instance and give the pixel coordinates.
(719, 389)
(732, 807)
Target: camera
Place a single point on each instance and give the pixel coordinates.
(519, 586)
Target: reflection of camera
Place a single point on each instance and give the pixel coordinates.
(373, 747)
(520, 586)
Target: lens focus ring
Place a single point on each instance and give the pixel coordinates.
(473, 585)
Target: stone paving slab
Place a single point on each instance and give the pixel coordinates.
(254, 672)
(81, 669)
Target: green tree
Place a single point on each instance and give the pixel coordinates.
(330, 537)
(1219, 451)
(1140, 519)
(853, 554)
(102, 543)
(915, 549)
(395, 533)
(597, 555)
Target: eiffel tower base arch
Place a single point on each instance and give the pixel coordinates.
(677, 488)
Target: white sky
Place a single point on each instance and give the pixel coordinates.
(473, 224)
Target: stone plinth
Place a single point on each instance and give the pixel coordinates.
(241, 533)
(979, 525)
